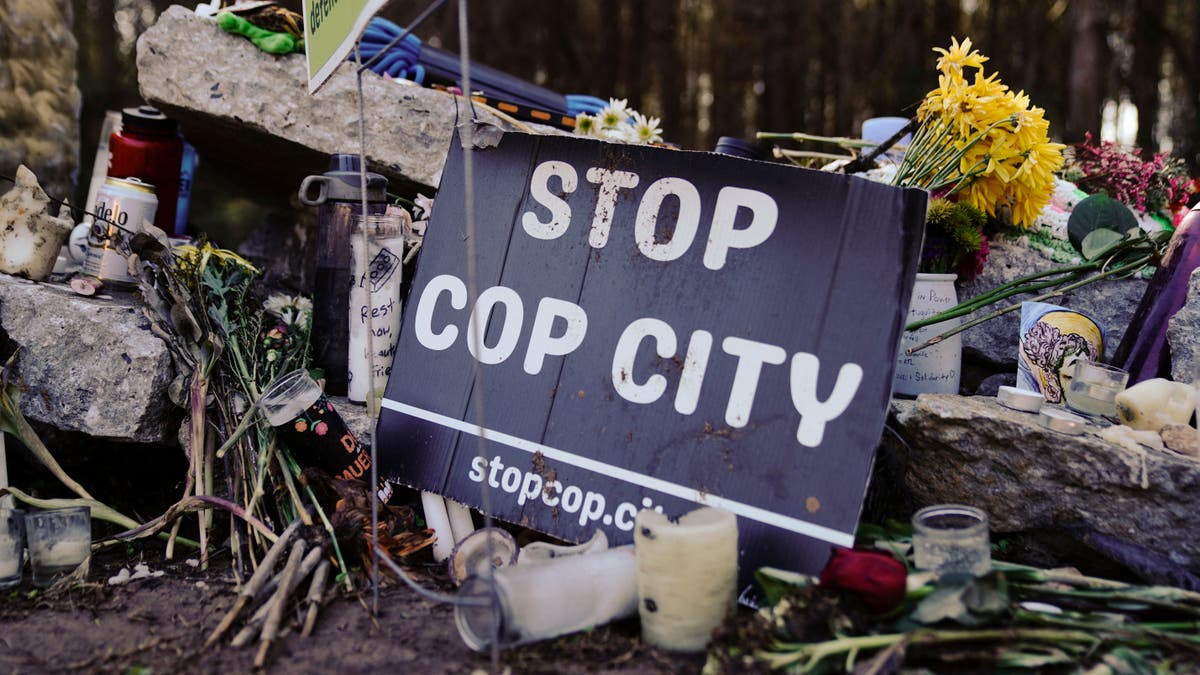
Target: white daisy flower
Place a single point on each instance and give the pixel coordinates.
(291, 310)
(619, 134)
(585, 125)
(620, 105)
(646, 129)
(611, 117)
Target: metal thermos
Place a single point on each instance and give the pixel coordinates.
(338, 197)
(148, 147)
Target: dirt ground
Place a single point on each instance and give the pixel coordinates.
(159, 625)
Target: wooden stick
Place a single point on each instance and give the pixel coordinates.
(315, 590)
(275, 615)
(251, 587)
(310, 563)
(256, 620)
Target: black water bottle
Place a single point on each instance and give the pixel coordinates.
(339, 199)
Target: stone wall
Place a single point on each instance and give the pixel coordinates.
(39, 99)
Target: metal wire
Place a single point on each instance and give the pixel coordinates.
(121, 242)
(468, 145)
(488, 600)
(433, 596)
(372, 407)
(372, 400)
(433, 7)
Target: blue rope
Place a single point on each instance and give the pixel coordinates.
(403, 60)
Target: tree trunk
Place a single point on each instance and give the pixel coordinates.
(1086, 66)
(1146, 70)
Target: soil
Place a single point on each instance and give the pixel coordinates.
(159, 625)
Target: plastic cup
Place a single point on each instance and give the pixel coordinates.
(60, 542)
(288, 396)
(12, 546)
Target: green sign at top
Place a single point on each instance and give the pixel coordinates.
(330, 29)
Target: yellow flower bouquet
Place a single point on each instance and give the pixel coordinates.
(980, 143)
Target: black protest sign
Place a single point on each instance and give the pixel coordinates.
(660, 329)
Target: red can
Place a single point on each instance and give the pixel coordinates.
(148, 147)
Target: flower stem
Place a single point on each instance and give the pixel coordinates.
(1120, 269)
(808, 656)
(844, 141)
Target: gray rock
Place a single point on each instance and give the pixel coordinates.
(356, 418)
(1183, 335)
(971, 450)
(995, 341)
(1182, 439)
(87, 364)
(240, 106)
(991, 385)
(39, 99)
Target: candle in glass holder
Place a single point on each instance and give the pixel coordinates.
(952, 539)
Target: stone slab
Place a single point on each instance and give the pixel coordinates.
(86, 364)
(971, 450)
(244, 108)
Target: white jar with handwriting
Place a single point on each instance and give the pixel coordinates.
(374, 302)
(936, 369)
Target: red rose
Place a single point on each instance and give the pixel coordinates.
(874, 576)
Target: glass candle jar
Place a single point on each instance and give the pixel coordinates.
(60, 541)
(1092, 388)
(951, 539)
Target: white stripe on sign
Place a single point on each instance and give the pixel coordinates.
(745, 510)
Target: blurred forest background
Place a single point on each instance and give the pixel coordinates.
(1126, 70)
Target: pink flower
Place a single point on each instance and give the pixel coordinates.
(321, 428)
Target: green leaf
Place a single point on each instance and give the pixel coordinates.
(970, 603)
(1098, 241)
(1125, 661)
(777, 583)
(943, 603)
(1096, 212)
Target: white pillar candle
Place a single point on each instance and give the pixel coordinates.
(461, 523)
(374, 304)
(687, 576)
(438, 520)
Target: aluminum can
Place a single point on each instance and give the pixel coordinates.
(122, 205)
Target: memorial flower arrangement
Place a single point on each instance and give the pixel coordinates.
(954, 239)
(981, 144)
(1158, 186)
(618, 122)
(870, 611)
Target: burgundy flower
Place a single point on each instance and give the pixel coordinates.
(875, 577)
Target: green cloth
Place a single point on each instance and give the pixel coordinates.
(268, 41)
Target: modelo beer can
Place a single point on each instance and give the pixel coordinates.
(122, 206)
